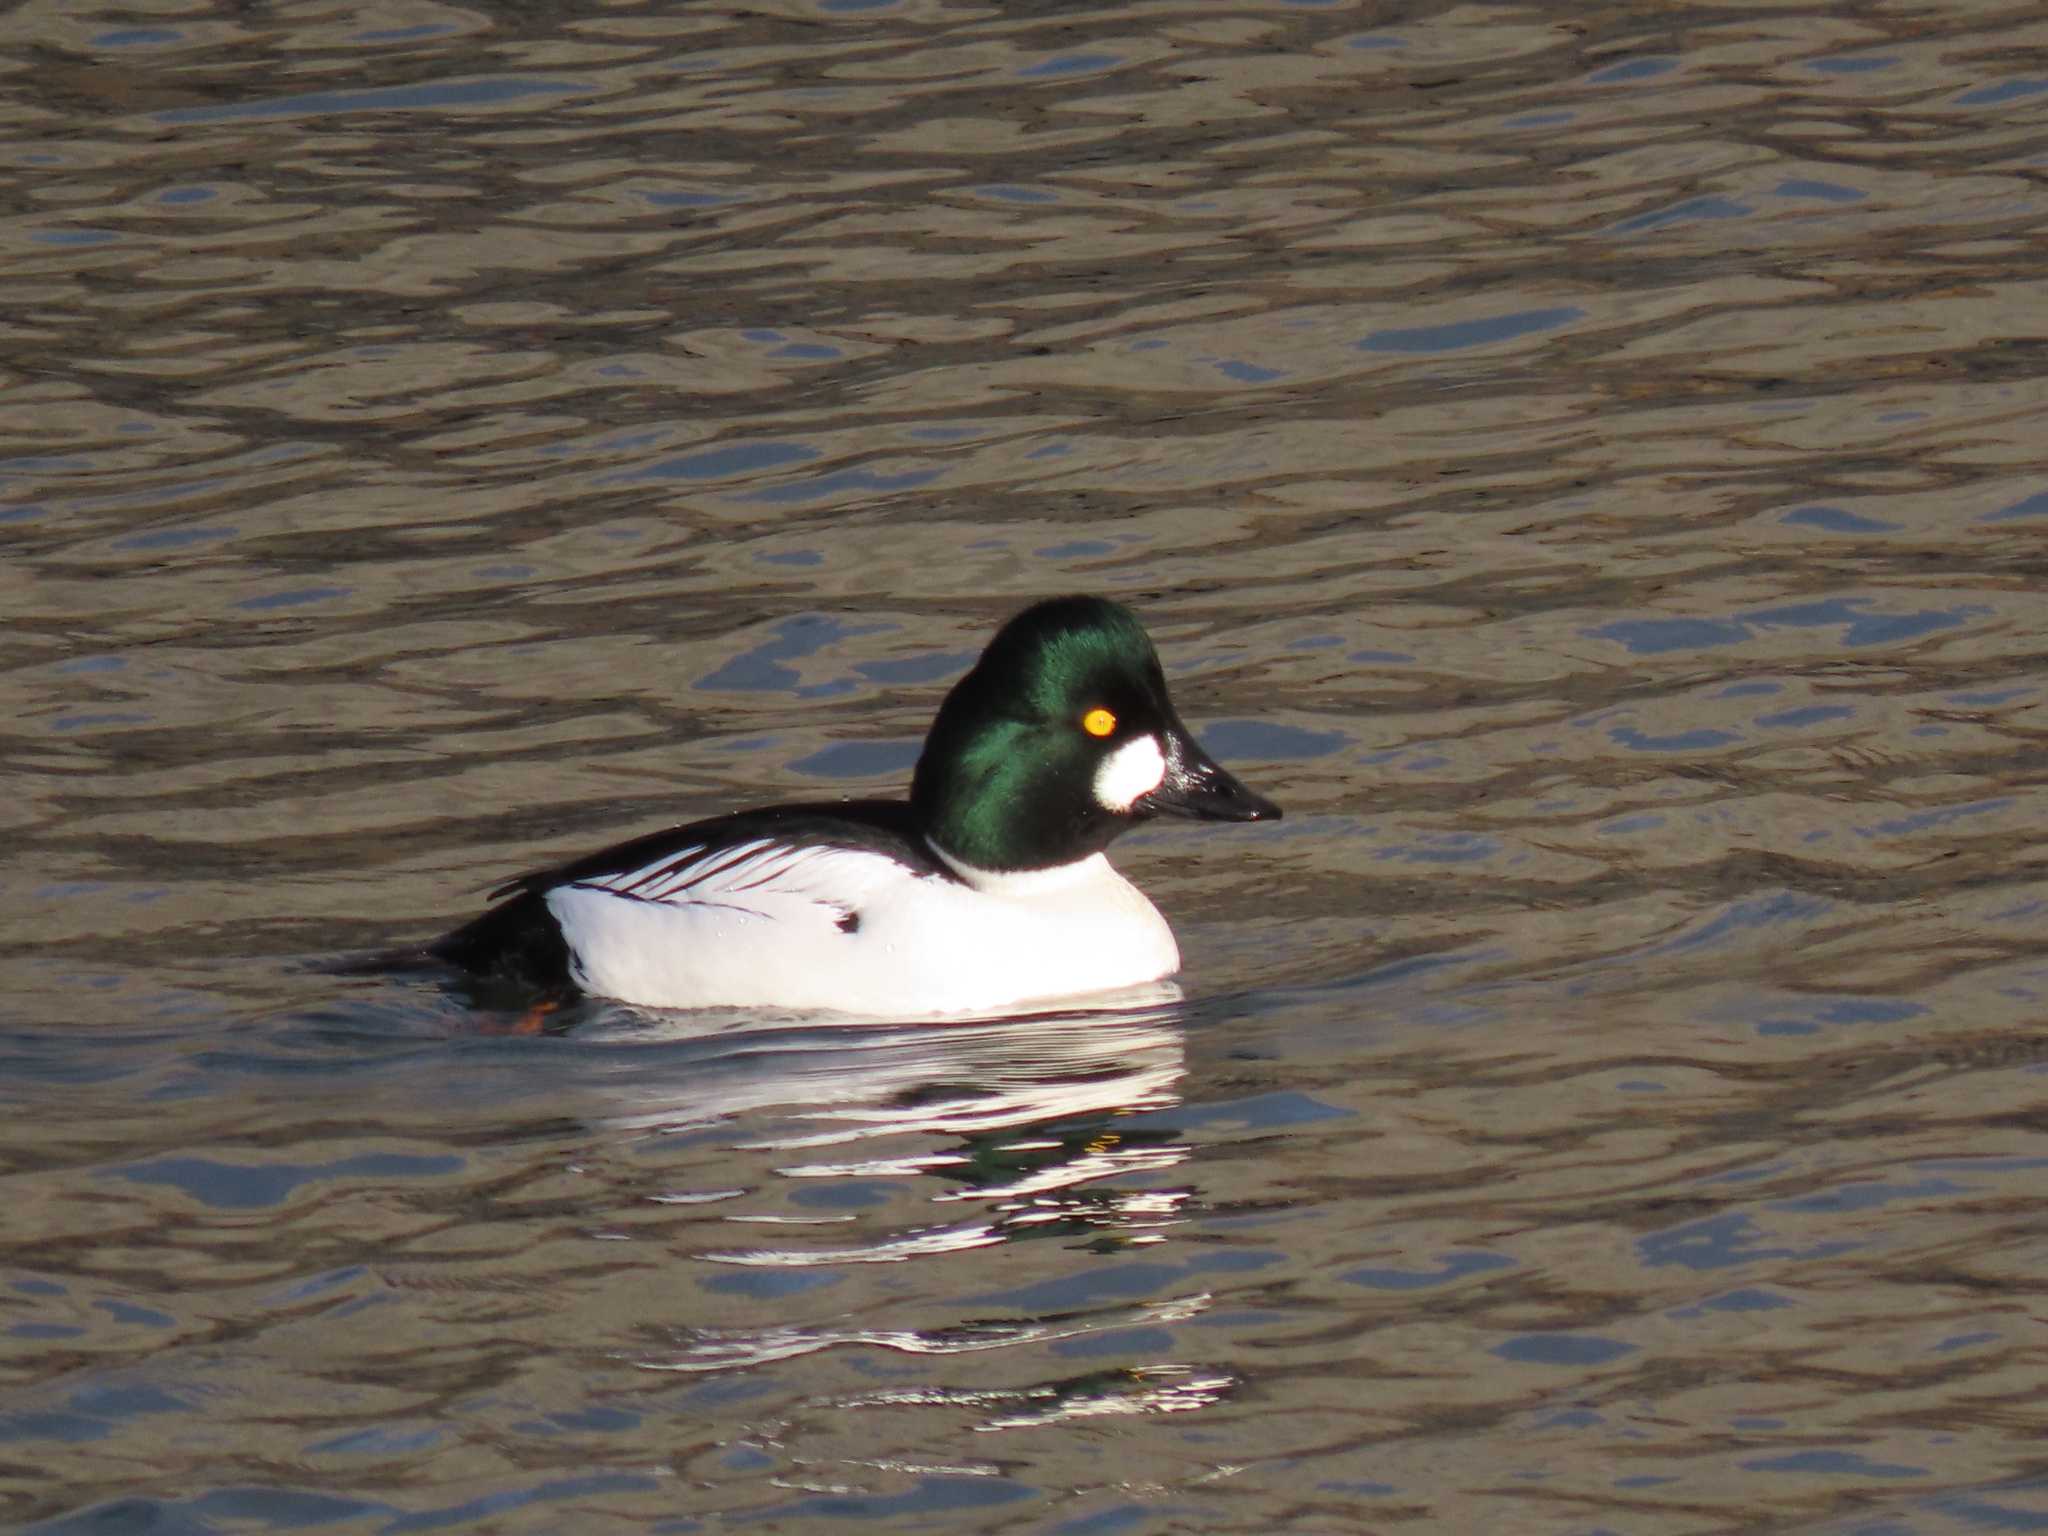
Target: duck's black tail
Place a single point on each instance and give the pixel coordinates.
(516, 944)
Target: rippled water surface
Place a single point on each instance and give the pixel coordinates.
(1590, 466)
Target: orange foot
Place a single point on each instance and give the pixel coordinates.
(530, 1022)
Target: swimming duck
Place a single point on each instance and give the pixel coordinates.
(987, 888)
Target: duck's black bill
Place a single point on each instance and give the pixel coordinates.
(1197, 786)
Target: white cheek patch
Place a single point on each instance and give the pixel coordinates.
(1131, 770)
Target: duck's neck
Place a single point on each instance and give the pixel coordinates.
(1026, 883)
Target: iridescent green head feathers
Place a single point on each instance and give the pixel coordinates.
(1058, 739)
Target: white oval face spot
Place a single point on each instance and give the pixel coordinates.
(1130, 771)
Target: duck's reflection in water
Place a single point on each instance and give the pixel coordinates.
(841, 1080)
(985, 1132)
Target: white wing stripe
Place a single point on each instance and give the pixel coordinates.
(694, 876)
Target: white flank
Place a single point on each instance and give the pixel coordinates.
(763, 924)
(1130, 771)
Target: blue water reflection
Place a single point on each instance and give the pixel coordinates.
(1066, 64)
(1693, 210)
(1647, 68)
(251, 1186)
(1727, 1241)
(2005, 91)
(1458, 335)
(1825, 191)
(1449, 1268)
(428, 96)
(860, 760)
(1562, 1349)
(1833, 1464)
(726, 462)
(2035, 505)
(1859, 627)
(932, 1495)
(139, 37)
(760, 670)
(1836, 520)
(837, 483)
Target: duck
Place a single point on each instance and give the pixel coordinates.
(988, 888)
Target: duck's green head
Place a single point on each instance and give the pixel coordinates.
(1061, 737)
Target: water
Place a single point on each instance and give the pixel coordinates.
(1586, 467)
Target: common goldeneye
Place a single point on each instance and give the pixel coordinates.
(987, 888)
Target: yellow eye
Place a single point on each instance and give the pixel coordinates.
(1098, 721)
